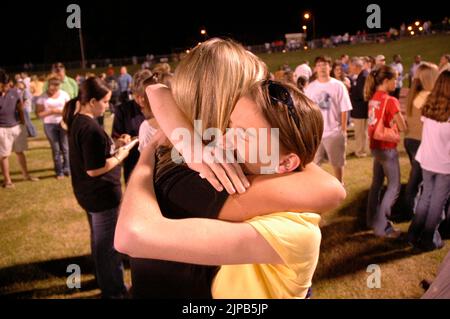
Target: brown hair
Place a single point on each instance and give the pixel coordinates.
(322, 58)
(161, 68)
(376, 78)
(437, 106)
(140, 78)
(302, 139)
(424, 80)
(336, 64)
(92, 88)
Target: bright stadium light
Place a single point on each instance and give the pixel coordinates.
(412, 32)
(417, 23)
(304, 27)
(420, 29)
(409, 28)
(202, 31)
(307, 16)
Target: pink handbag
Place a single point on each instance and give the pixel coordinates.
(386, 134)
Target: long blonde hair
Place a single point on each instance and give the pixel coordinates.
(208, 83)
(210, 80)
(425, 77)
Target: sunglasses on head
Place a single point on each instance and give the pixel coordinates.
(280, 94)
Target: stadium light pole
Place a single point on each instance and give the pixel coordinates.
(309, 16)
(83, 59)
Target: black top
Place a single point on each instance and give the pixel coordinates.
(360, 107)
(181, 193)
(89, 148)
(127, 120)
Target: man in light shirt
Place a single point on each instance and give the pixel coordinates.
(332, 97)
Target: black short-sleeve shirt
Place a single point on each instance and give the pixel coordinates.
(127, 120)
(181, 193)
(89, 148)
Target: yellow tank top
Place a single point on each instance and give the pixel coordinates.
(296, 238)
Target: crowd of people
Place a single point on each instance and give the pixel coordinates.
(373, 87)
(266, 249)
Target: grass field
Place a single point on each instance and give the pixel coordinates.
(43, 230)
(429, 47)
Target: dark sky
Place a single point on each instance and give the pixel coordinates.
(37, 30)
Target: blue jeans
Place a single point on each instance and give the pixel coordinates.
(108, 262)
(385, 164)
(415, 175)
(423, 231)
(60, 148)
(31, 130)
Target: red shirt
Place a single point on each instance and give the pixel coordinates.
(376, 105)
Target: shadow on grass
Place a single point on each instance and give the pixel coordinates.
(41, 178)
(34, 171)
(348, 246)
(39, 148)
(59, 290)
(25, 274)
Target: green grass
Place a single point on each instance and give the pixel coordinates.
(430, 47)
(43, 229)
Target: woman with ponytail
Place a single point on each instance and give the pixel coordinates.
(94, 163)
(382, 107)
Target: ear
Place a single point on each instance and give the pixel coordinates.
(92, 102)
(288, 163)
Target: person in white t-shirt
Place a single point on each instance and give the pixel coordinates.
(49, 108)
(434, 158)
(332, 97)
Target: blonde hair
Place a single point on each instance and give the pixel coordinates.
(437, 106)
(424, 80)
(54, 78)
(210, 80)
(303, 138)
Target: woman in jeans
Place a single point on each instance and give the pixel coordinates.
(434, 158)
(94, 162)
(379, 83)
(422, 85)
(49, 108)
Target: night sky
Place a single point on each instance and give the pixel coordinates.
(37, 31)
